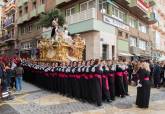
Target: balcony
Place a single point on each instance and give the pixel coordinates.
(10, 7)
(137, 51)
(82, 16)
(123, 3)
(152, 2)
(144, 36)
(9, 22)
(6, 38)
(59, 2)
(41, 9)
(134, 50)
(141, 35)
(133, 31)
(152, 19)
(139, 7)
(146, 52)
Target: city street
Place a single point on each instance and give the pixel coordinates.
(33, 100)
(80, 51)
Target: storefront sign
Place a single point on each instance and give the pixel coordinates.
(116, 23)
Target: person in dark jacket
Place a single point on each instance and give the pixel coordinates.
(1, 77)
(9, 74)
(130, 71)
(156, 75)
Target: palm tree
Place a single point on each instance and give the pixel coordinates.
(47, 18)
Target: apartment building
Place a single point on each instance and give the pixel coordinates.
(28, 32)
(158, 30)
(1, 5)
(9, 26)
(111, 28)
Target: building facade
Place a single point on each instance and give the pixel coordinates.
(111, 28)
(158, 30)
(7, 46)
(1, 5)
(28, 32)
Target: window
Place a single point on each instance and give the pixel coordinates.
(20, 11)
(91, 4)
(26, 8)
(26, 29)
(30, 28)
(70, 11)
(132, 22)
(132, 41)
(21, 31)
(142, 45)
(142, 27)
(34, 5)
(87, 5)
(38, 27)
(83, 6)
(116, 13)
(12, 33)
(105, 52)
(120, 33)
(43, 1)
(13, 18)
(103, 5)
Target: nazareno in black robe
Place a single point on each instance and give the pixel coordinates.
(143, 93)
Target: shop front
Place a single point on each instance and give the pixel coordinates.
(123, 49)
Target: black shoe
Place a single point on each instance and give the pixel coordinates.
(99, 104)
(122, 96)
(127, 94)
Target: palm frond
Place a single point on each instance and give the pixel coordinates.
(47, 18)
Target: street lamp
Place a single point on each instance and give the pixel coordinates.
(103, 11)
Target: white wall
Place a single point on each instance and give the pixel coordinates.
(110, 39)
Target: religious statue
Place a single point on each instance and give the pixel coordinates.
(55, 28)
(59, 48)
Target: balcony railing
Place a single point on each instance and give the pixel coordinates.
(152, 18)
(134, 50)
(82, 16)
(6, 38)
(9, 21)
(139, 7)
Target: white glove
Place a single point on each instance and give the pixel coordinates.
(139, 85)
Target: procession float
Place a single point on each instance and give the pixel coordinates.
(61, 46)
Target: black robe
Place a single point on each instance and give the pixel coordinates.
(143, 93)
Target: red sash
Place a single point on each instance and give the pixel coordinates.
(119, 73)
(100, 79)
(111, 75)
(106, 81)
(146, 78)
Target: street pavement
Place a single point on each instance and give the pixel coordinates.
(33, 100)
